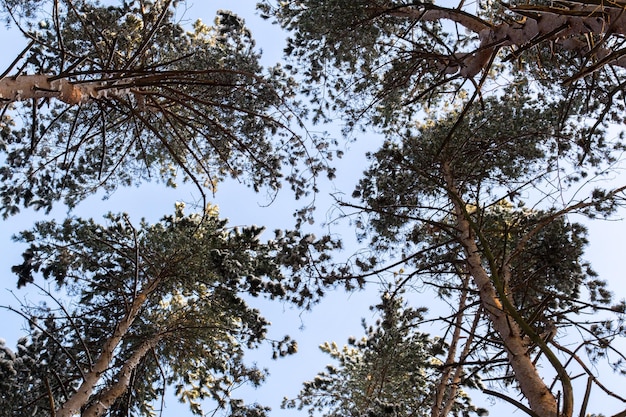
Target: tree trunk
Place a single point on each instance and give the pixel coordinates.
(539, 396)
(446, 381)
(25, 87)
(106, 399)
(78, 400)
(536, 24)
(456, 378)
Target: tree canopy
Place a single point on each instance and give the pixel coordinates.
(392, 55)
(134, 299)
(104, 96)
(392, 370)
(500, 128)
(455, 229)
(499, 122)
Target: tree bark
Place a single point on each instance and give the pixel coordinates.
(36, 86)
(536, 24)
(539, 396)
(106, 399)
(455, 381)
(78, 400)
(446, 383)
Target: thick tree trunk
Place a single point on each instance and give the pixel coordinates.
(39, 86)
(81, 397)
(564, 27)
(106, 399)
(539, 396)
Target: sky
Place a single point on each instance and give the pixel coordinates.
(339, 315)
(336, 318)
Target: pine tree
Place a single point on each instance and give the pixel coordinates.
(393, 370)
(138, 310)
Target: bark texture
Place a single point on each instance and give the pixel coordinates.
(539, 396)
(565, 26)
(449, 380)
(107, 398)
(41, 86)
(82, 396)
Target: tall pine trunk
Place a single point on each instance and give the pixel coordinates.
(539, 396)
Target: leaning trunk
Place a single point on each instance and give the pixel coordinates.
(41, 86)
(446, 390)
(81, 397)
(539, 396)
(108, 397)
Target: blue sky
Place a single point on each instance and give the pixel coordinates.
(339, 315)
(336, 318)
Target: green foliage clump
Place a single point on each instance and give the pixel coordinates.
(178, 285)
(168, 104)
(391, 371)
